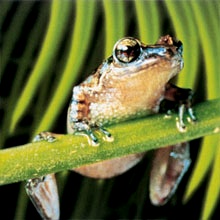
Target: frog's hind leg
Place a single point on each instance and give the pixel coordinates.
(43, 193)
(43, 190)
(169, 165)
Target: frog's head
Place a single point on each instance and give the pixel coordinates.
(131, 57)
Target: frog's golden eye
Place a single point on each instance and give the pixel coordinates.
(127, 50)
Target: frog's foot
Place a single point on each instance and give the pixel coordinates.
(44, 136)
(169, 166)
(82, 128)
(183, 97)
(43, 190)
(44, 195)
(106, 134)
(179, 120)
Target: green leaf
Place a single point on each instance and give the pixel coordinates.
(115, 23)
(181, 16)
(78, 48)
(31, 45)
(146, 20)
(58, 19)
(213, 190)
(203, 163)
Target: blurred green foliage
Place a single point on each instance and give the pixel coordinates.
(49, 46)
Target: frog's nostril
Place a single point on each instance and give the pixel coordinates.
(170, 52)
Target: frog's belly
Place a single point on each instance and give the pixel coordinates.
(110, 168)
(109, 114)
(116, 106)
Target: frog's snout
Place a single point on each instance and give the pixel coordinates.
(171, 42)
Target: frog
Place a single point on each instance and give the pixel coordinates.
(131, 83)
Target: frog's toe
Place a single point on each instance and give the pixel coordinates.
(180, 125)
(44, 136)
(107, 135)
(93, 140)
(83, 128)
(191, 116)
(179, 120)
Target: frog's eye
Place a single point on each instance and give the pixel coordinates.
(127, 50)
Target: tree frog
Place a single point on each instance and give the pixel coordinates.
(131, 83)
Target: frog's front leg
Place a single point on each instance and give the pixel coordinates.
(78, 117)
(43, 190)
(169, 165)
(183, 97)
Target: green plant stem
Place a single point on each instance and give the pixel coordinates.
(70, 151)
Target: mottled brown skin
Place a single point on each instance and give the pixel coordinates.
(118, 91)
(129, 84)
(168, 167)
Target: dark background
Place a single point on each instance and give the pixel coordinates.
(123, 197)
